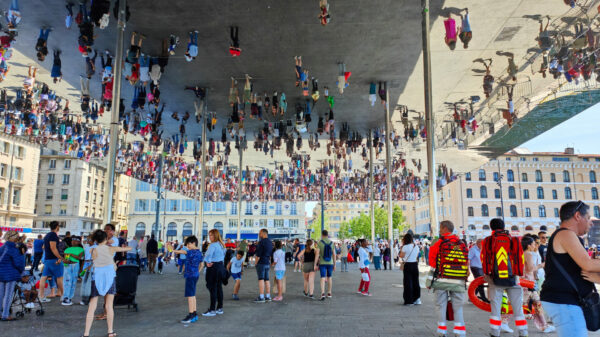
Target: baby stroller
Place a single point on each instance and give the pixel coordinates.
(19, 305)
(126, 284)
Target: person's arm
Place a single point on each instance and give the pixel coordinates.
(529, 266)
(570, 243)
(119, 249)
(229, 266)
(402, 253)
(317, 258)
(592, 277)
(55, 251)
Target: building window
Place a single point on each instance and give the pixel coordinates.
(278, 208)
(540, 193)
(510, 175)
(483, 192)
(18, 173)
(95, 184)
(525, 194)
(481, 175)
(568, 193)
(542, 210)
(64, 194)
(468, 176)
(248, 208)
(524, 177)
(16, 197)
(527, 212)
(232, 223)
(173, 206)
(470, 211)
(498, 211)
(47, 209)
(51, 179)
(220, 206)
(49, 194)
(594, 193)
(513, 211)
(293, 209)
(538, 176)
(52, 164)
(469, 193)
(233, 208)
(484, 210)
(87, 195)
(566, 176)
(496, 176)
(278, 223)
(293, 223)
(552, 177)
(592, 177)
(511, 193)
(497, 193)
(206, 206)
(141, 205)
(556, 215)
(66, 179)
(263, 208)
(67, 164)
(554, 195)
(597, 211)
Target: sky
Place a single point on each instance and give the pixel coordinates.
(581, 132)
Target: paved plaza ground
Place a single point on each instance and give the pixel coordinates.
(162, 306)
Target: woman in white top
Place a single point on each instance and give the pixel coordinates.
(363, 265)
(409, 253)
(103, 283)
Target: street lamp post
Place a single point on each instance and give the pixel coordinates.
(499, 183)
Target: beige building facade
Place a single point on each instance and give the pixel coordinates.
(71, 191)
(179, 216)
(18, 178)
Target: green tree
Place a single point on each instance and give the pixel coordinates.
(315, 233)
(360, 227)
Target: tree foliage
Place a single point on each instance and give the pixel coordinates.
(360, 227)
(315, 233)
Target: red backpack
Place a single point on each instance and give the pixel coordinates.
(452, 260)
(502, 258)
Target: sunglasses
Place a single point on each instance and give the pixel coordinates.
(579, 204)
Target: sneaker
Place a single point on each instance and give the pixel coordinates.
(268, 299)
(235, 297)
(66, 302)
(189, 318)
(505, 328)
(359, 292)
(312, 297)
(329, 295)
(259, 300)
(45, 300)
(29, 305)
(219, 311)
(366, 293)
(322, 297)
(209, 313)
(305, 294)
(418, 302)
(81, 303)
(549, 329)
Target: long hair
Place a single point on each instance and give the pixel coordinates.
(308, 245)
(217, 236)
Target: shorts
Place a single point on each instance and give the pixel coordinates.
(111, 291)
(308, 267)
(190, 286)
(279, 274)
(326, 270)
(53, 269)
(262, 270)
(236, 276)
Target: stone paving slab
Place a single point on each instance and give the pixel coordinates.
(162, 305)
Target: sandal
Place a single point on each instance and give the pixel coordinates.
(112, 334)
(101, 317)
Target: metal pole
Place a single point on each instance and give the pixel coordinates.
(429, 119)
(371, 191)
(322, 198)
(10, 180)
(388, 159)
(203, 171)
(500, 176)
(239, 193)
(158, 195)
(164, 225)
(114, 119)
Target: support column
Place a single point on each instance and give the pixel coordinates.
(203, 169)
(371, 191)
(429, 120)
(239, 192)
(114, 120)
(158, 194)
(388, 164)
(322, 198)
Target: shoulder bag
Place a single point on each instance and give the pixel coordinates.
(590, 304)
(404, 258)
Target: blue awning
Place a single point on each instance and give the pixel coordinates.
(172, 232)
(186, 232)
(244, 236)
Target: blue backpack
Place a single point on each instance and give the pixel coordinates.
(327, 251)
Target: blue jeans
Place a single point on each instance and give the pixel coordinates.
(262, 271)
(44, 34)
(70, 280)
(181, 264)
(131, 259)
(567, 318)
(143, 262)
(377, 262)
(14, 5)
(6, 296)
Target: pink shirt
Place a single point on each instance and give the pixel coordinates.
(450, 26)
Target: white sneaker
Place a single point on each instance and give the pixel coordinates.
(418, 302)
(549, 329)
(44, 300)
(505, 328)
(29, 305)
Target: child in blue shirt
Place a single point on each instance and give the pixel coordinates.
(235, 267)
(191, 274)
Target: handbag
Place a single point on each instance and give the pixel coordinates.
(590, 304)
(402, 263)
(86, 286)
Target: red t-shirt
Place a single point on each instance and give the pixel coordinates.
(230, 245)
